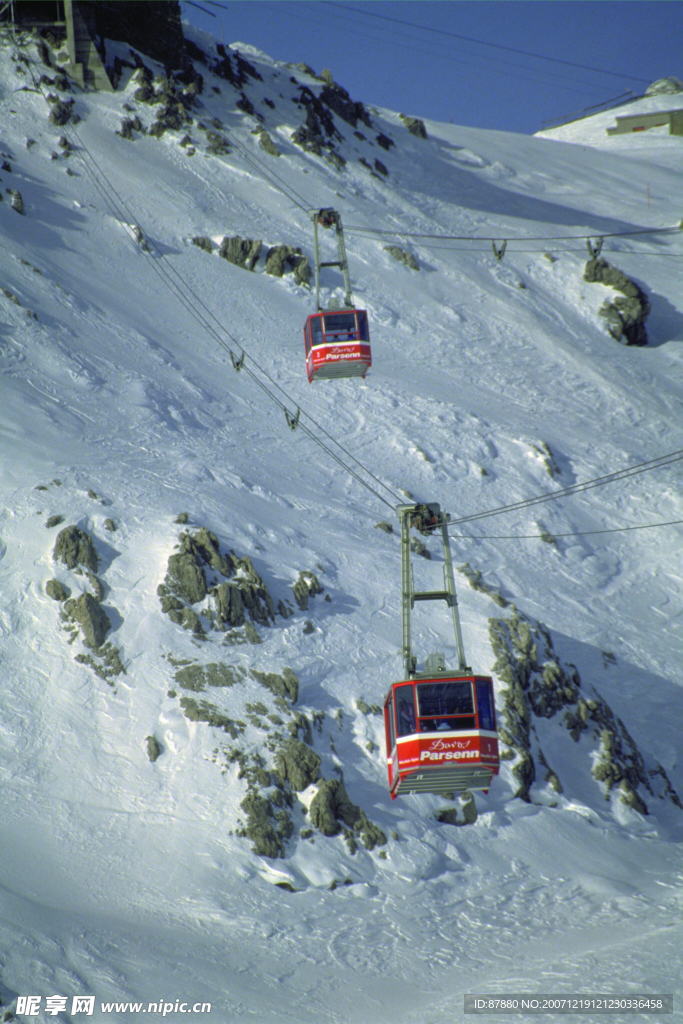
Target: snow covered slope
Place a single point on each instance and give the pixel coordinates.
(492, 382)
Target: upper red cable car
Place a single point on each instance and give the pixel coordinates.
(440, 725)
(337, 344)
(336, 340)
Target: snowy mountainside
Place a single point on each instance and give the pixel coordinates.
(492, 382)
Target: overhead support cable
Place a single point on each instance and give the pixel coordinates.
(396, 232)
(549, 537)
(482, 42)
(621, 474)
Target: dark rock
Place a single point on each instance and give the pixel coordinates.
(305, 587)
(145, 94)
(54, 521)
(109, 524)
(297, 764)
(260, 828)
(268, 144)
(467, 808)
(338, 100)
(238, 75)
(415, 126)
(216, 144)
(476, 581)
(245, 104)
(229, 605)
(57, 591)
(91, 617)
(97, 586)
(203, 711)
(17, 201)
(190, 620)
(331, 806)
(285, 685)
(243, 252)
(75, 547)
(308, 627)
(186, 577)
(154, 748)
(251, 634)
(379, 166)
(627, 314)
(402, 256)
(280, 258)
(61, 113)
(206, 543)
(198, 677)
(126, 130)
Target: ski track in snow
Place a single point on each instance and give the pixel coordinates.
(124, 879)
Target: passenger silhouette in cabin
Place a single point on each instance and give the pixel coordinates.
(406, 711)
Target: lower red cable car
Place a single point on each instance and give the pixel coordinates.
(441, 734)
(440, 723)
(337, 344)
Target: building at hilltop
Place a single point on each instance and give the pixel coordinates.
(641, 122)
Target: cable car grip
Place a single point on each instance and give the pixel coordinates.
(499, 253)
(237, 364)
(292, 421)
(596, 249)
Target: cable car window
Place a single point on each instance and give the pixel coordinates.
(317, 330)
(485, 705)
(438, 702)
(362, 325)
(392, 730)
(437, 699)
(340, 323)
(405, 710)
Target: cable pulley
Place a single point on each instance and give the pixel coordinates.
(237, 364)
(596, 249)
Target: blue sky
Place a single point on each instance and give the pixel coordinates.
(426, 71)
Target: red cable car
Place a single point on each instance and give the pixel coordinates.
(441, 734)
(337, 344)
(440, 725)
(336, 340)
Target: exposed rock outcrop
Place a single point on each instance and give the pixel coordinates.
(626, 314)
(539, 686)
(307, 586)
(331, 807)
(281, 258)
(415, 126)
(74, 547)
(89, 614)
(57, 591)
(402, 256)
(243, 252)
(297, 764)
